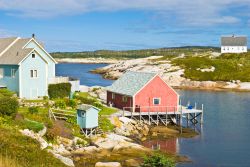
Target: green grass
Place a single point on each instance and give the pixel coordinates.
(85, 98)
(227, 67)
(31, 125)
(24, 150)
(105, 124)
(41, 116)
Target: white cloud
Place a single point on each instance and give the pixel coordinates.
(194, 12)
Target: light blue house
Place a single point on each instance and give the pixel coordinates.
(87, 116)
(26, 67)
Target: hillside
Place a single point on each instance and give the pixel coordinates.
(131, 54)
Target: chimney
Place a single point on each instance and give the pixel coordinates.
(33, 35)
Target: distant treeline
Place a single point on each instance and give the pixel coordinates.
(126, 54)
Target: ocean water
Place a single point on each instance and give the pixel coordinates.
(81, 71)
(225, 136)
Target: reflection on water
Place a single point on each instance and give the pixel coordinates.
(168, 146)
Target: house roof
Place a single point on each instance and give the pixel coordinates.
(131, 82)
(234, 41)
(12, 50)
(86, 107)
(5, 42)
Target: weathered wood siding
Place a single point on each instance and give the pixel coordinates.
(156, 88)
(118, 102)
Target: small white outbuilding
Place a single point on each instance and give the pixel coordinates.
(233, 44)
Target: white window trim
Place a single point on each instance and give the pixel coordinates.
(113, 96)
(123, 99)
(33, 74)
(156, 98)
(13, 73)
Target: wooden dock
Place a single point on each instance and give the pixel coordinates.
(164, 114)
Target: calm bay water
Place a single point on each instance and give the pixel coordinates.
(225, 136)
(81, 71)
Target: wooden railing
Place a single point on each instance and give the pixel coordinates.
(61, 114)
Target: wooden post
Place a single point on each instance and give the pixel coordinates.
(181, 120)
(157, 118)
(167, 117)
(202, 107)
(149, 117)
(140, 115)
(131, 114)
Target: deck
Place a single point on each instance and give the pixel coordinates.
(164, 114)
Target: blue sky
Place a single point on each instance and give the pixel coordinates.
(79, 25)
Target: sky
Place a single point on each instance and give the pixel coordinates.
(87, 25)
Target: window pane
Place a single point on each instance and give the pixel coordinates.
(156, 101)
(35, 73)
(31, 73)
(13, 73)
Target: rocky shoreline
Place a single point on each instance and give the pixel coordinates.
(173, 75)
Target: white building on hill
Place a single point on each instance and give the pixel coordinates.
(233, 44)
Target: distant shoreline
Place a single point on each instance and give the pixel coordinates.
(88, 60)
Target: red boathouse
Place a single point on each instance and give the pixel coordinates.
(142, 91)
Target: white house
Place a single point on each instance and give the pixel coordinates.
(233, 44)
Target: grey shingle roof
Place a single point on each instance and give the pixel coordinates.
(16, 53)
(5, 42)
(234, 41)
(131, 82)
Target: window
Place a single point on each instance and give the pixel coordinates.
(83, 114)
(113, 96)
(1, 72)
(33, 73)
(33, 55)
(13, 73)
(157, 101)
(124, 99)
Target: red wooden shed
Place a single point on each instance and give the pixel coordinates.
(142, 91)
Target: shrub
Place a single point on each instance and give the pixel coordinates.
(157, 160)
(72, 103)
(60, 90)
(6, 93)
(59, 128)
(25, 150)
(60, 104)
(5, 120)
(8, 106)
(86, 100)
(45, 98)
(33, 110)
